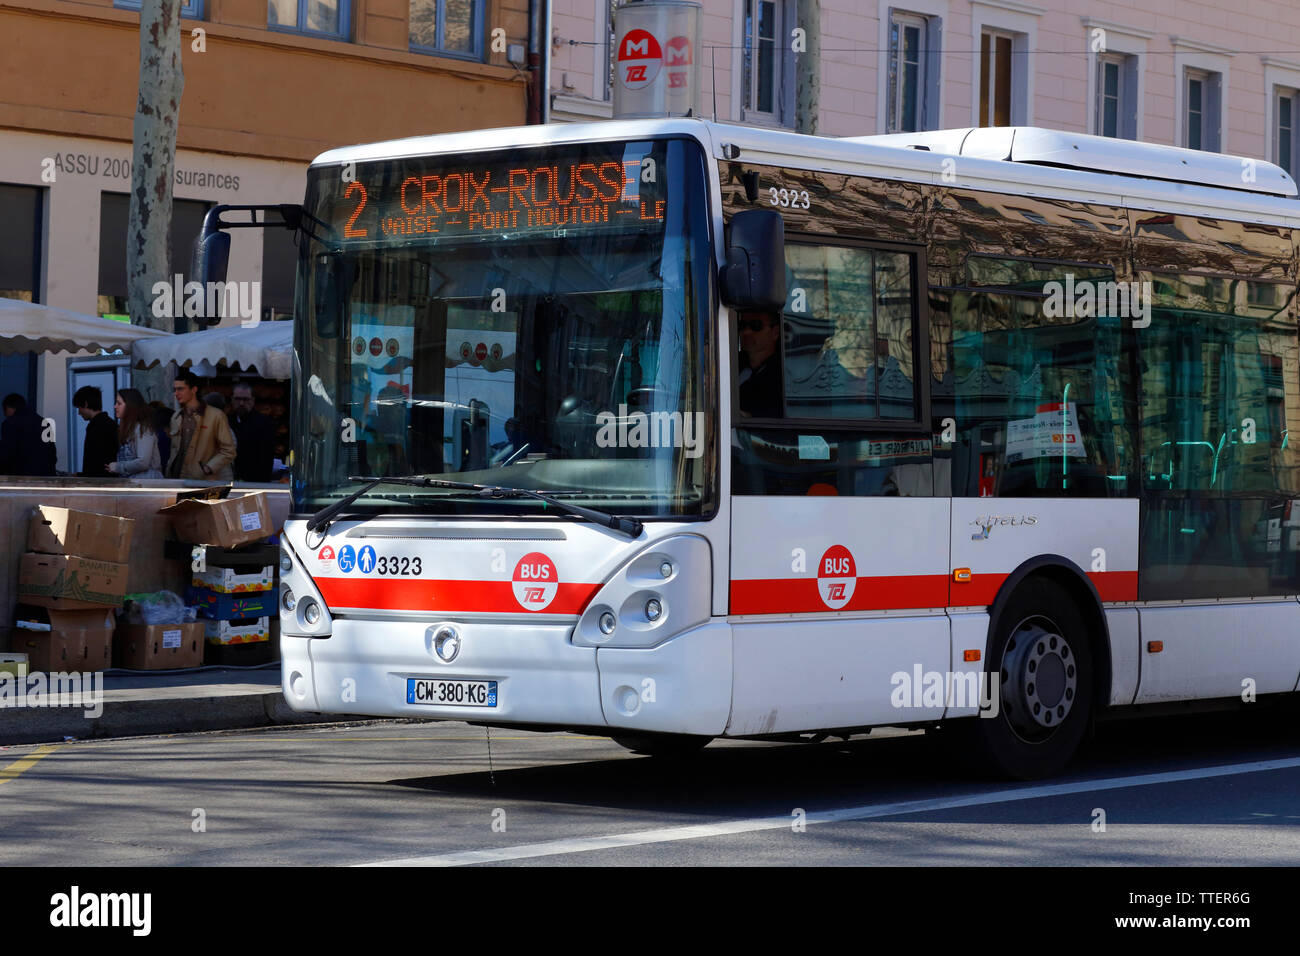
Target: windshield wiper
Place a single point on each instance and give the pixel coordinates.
(628, 526)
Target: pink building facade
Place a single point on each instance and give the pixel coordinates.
(1223, 77)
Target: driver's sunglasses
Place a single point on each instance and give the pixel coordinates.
(753, 325)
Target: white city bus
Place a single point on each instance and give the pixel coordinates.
(690, 431)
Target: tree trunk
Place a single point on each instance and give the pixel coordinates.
(808, 80)
(157, 117)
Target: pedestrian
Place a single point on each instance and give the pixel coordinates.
(254, 437)
(202, 444)
(22, 452)
(137, 453)
(162, 423)
(100, 447)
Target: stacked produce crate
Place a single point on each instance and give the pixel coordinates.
(232, 581)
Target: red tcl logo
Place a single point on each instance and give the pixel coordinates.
(636, 74)
(534, 595)
(835, 592)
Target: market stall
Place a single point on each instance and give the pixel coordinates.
(28, 327)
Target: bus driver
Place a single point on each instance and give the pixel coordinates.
(760, 366)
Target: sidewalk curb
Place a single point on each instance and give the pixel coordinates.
(137, 718)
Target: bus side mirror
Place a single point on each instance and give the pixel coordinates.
(753, 278)
(211, 251)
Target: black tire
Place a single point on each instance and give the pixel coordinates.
(1041, 654)
(663, 745)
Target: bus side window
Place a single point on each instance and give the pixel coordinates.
(846, 369)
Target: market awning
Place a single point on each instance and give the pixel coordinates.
(266, 348)
(27, 327)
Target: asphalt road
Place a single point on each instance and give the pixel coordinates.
(1208, 790)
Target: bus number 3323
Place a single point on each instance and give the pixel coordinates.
(396, 565)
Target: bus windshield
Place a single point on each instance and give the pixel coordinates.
(538, 319)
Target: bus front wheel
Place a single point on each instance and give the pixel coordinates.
(662, 745)
(1041, 656)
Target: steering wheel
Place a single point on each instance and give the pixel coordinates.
(644, 397)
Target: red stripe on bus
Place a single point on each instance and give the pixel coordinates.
(422, 594)
(885, 592)
(793, 595)
(1115, 585)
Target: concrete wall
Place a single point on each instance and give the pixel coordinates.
(72, 68)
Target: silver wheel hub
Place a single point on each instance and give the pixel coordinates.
(1039, 679)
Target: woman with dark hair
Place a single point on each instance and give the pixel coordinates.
(138, 454)
(162, 423)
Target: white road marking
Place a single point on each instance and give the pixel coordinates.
(727, 828)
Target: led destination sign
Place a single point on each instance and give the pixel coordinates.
(590, 192)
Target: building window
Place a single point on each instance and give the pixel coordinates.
(114, 216)
(328, 18)
(997, 76)
(1201, 110)
(908, 56)
(20, 242)
(191, 10)
(452, 27)
(763, 60)
(1285, 104)
(1117, 96)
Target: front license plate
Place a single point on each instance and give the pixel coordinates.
(461, 693)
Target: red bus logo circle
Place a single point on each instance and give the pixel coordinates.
(376, 346)
(836, 577)
(480, 351)
(639, 59)
(535, 581)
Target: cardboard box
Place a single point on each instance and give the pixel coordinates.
(228, 581)
(71, 583)
(64, 531)
(75, 641)
(242, 631)
(222, 606)
(226, 523)
(158, 646)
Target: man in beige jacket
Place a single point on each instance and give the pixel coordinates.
(203, 446)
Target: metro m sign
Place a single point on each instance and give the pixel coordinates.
(639, 59)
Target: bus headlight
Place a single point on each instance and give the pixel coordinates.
(287, 600)
(310, 612)
(649, 599)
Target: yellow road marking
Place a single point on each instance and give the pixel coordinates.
(26, 763)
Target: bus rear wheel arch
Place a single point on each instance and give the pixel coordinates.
(1041, 650)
